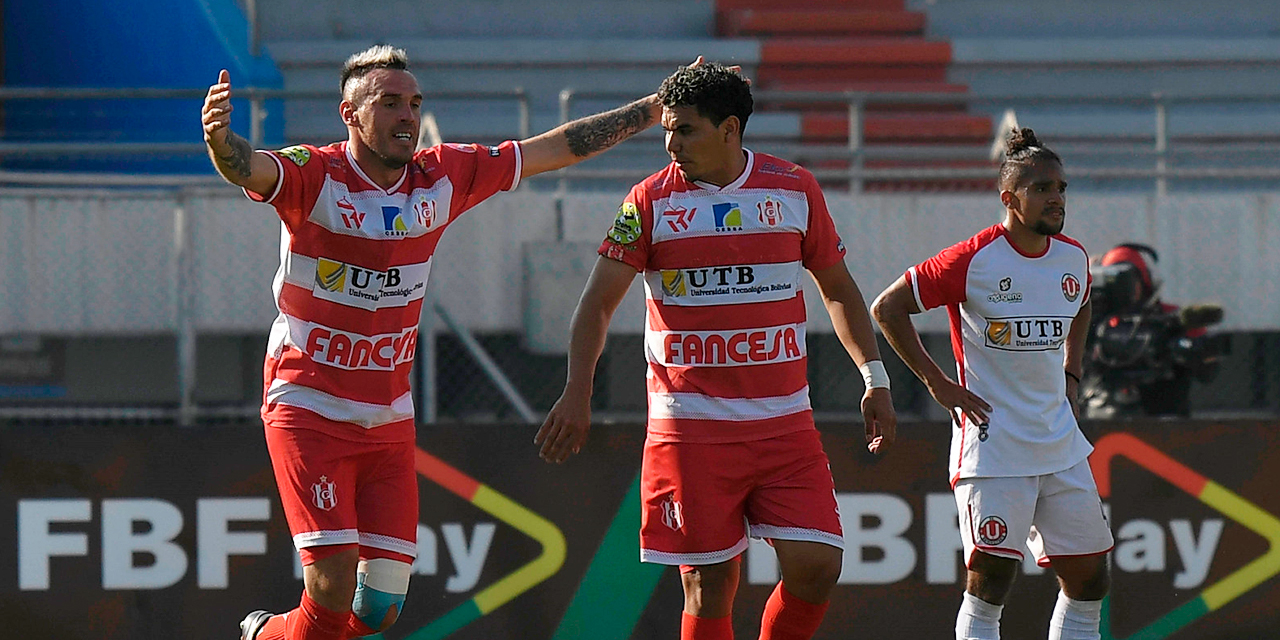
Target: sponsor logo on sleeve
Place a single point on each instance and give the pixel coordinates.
(626, 226)
(1043, 333)
(297, 154)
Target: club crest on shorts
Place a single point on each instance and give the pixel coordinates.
(992, 531)
(324, 494)
(672, 513)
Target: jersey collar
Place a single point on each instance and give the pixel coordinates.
(404, 171)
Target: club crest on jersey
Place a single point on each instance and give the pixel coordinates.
(299, 155)
(992, 530)
(679, 219)
(728, 216)
(769, 212)
(1070, 287)
(626, 226)
(424, 211)
(350, 217)
(324, 494)
(672, 513)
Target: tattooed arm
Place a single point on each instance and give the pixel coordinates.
(578, 140)
(231, 154)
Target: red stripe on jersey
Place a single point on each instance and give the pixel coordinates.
(722, 431)
(758, 381)
(753, 248)
(299, 303)
(725, 317)
(374, 387)
(315, 241)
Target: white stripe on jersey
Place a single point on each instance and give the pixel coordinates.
(732, 348)
(365, 414)
(728, 284)
(697, 406)
(353, 286)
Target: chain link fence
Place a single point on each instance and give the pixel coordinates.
(154, 305)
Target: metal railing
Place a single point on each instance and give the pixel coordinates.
(257, 97)
(857, 152)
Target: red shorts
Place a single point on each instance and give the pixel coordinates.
(338, 492)
(700, 502)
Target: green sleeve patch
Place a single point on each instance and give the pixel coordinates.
(298, 154)
(626, 227)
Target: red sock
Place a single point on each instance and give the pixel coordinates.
(311, 621)
(787, 617)
(694, 628)
(273, 629)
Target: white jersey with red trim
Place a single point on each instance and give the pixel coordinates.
(725, 322)
(354, 262)
(1010, 315)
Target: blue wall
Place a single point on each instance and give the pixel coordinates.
(127, 43)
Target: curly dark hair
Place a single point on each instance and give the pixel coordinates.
(712, 88)
(1022, 149)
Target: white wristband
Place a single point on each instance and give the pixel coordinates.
(874, 375)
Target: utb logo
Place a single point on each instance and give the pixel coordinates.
(998, 333)
(330, 275)
(673, 283)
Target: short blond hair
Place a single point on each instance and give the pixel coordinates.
(379, 56)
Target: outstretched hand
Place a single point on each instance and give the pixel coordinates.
(216, 114)
(959, 401)
(880, 419)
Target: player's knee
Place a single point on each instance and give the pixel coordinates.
(1091, 586)
(381, 586)
(991, 577)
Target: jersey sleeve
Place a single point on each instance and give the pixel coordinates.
(821, 246)
(940, 280)
(630, 238)
(301, 178)
(477, 172)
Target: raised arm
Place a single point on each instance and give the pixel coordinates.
(848, 313)
(566, 427)
(231, 154)
(892, 310)
(1073, 359)
(576, 141)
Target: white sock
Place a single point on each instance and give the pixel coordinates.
(1075, 619)
(978, 619)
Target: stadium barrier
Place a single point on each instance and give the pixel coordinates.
(142, 534)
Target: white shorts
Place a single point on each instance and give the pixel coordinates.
(1058, 515)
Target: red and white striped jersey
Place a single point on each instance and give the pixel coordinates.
(1010, 315)
(725, 322)
(354, 261)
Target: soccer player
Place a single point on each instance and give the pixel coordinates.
(1017, 294)
(722, 236)
(361, 219)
